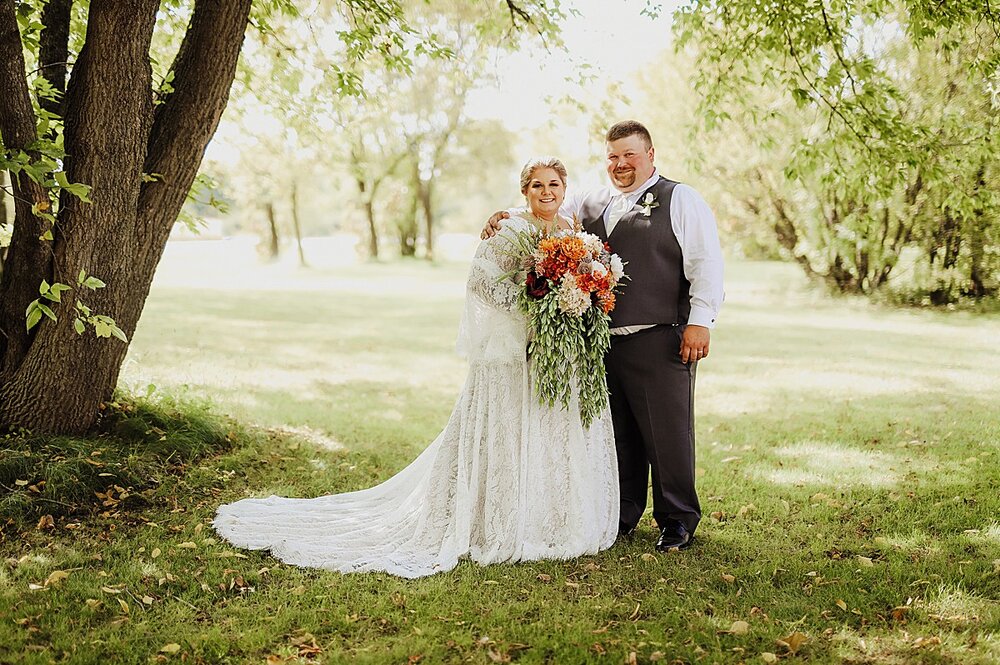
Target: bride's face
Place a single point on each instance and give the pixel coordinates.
(545, 193)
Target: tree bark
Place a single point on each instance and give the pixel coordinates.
(53, 50)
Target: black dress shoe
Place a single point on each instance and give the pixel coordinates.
(626, 533)
(673, 536)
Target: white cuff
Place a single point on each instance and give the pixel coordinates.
(701, 316)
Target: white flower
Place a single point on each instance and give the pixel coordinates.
(600, 269)
(617, 267)
(592, 243)
(572, 300)
(648, 203)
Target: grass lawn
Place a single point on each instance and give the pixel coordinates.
(849, 467)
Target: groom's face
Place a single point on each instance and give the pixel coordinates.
(630, 162)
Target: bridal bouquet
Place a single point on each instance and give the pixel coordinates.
(567, 288)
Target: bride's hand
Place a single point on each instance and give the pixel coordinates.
(493, 224)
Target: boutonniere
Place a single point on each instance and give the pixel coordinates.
(648, 202)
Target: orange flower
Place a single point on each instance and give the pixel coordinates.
(606, 299)
(561, 255)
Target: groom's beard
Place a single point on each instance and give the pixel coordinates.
(623, 179)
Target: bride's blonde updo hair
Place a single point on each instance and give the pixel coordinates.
(541, 163)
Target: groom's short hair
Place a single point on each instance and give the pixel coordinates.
(626, 128)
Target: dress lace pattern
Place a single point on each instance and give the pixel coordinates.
(507, 480)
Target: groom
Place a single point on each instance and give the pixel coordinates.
(666, 234)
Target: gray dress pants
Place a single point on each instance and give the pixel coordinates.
(652, 406)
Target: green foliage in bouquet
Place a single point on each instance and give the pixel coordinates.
(567, 349)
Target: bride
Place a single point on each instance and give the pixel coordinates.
(507, 480)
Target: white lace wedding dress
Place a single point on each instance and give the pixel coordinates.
(507, 479)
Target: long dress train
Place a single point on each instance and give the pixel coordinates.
(506, 480)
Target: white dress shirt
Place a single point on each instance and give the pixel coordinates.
(694, 226)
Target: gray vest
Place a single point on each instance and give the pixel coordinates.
(656, 290)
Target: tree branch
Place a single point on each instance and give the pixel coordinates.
(185, 122)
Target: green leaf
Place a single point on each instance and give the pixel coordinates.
(48, 312)
(119, 333)
(78, 325)
(34, 316)
(44, 287)
(83, 276)
(80, 191)
(46, 236)
(102, 328)
(93, 283)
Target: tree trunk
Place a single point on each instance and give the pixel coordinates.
(297, 223)
(112, 138)
(28, 258)
(64, 376)
(274, 246)
(426, 195)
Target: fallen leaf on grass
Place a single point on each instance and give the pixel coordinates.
(56, 577)
(635, 612)
(647, 556)
(727, 578)
(171, 648)
(187, 545)
(124, 606)
(842, 605)
(793, 642)
(46, 523)
(739, 628)
(155, 553)
(542, 577)
(768, 657)
(93, 603)
(497, 656)
(865, 561)
(657, 655)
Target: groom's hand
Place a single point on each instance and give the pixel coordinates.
(493, 225)
(694, 344)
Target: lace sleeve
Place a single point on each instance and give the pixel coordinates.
(486, 275)
(493, 329)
